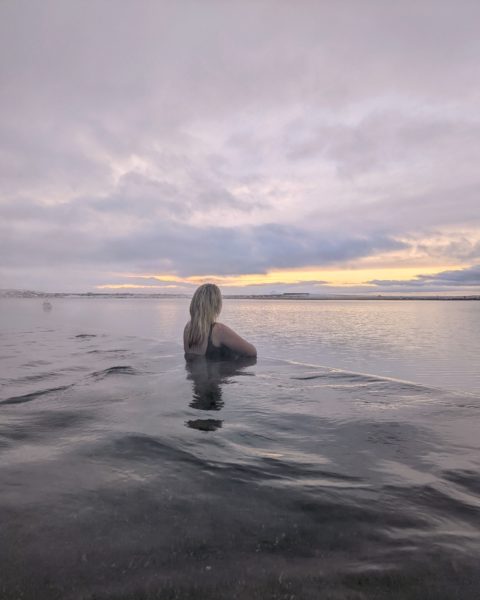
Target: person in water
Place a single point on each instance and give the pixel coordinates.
(203, 336)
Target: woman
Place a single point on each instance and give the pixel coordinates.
(203, 336)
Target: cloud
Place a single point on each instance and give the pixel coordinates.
(153, 240)
(222, 138)
(469, 277)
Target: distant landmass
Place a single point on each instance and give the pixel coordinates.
(36, 294)
(271, 296)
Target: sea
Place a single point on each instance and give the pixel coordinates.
(342, 463)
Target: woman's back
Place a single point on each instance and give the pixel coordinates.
(221, 342)
(214, 351)
(202, 336)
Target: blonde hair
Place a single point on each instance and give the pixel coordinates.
(205, 307)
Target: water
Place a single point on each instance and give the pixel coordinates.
(127, 473)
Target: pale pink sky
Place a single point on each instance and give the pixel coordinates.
(311, 146)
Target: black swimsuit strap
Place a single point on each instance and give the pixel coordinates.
(209, 342)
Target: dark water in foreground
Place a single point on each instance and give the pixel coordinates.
(127, 473)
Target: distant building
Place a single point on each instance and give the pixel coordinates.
(295, 294)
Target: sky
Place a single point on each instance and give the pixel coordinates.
(266, 146)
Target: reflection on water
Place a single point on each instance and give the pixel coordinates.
(429, 342)
(207, 377)
(316, 483)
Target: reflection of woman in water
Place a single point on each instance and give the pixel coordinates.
(203, 336)
(208, 377)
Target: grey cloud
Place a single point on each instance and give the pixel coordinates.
(135, 195)
(140, 196)
(410, 215)
(454, 278)
(224, 251)
(383, 138)
(137, 71)
(460, 248)
(185, 249)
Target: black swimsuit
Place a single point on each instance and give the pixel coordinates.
(218, 351)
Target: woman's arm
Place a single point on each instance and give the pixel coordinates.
(232, 340)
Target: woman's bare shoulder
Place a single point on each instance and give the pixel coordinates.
(223, 331)
(226, 335)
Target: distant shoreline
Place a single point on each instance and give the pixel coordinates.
(285, 296)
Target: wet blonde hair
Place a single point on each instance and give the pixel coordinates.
(205, 307)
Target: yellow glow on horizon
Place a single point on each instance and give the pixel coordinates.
(332, 277)
(119, 286)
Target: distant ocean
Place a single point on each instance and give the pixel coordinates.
(344, 463)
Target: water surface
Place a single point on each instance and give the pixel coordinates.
(127, 472)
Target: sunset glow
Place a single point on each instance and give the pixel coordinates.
(316, 278)
(239, 149)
